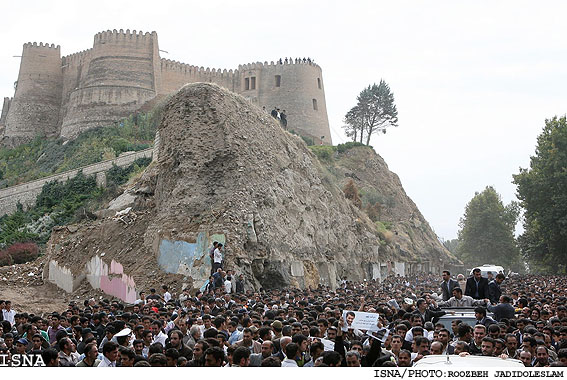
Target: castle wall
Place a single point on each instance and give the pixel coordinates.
(35, 107)
(300, 86)
(118, 80)
(5, 108)
(175, 75)
(123, 71)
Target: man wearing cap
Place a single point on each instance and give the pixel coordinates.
(277, 326)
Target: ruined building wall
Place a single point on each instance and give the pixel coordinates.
(123, 70)
(118, 79)
(35, 108)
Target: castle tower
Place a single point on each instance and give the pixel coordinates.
(34, 110)
(120, 78)
(296, 88)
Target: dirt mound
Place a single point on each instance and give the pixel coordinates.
(227, 172)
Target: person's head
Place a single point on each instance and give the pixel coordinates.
(110, 351)
(267, 348)
(21, 345)
(461, 346)
(247, 336)
(562, 356)
(542, 355)
(499, 278)
(332, 358)
(91, 351)
(446, 275)
(476, 274)
(480, 313)
(127, 356)
(301, 341)
(487, 346)
(292, 350)
(214, 357)
(332, 333)
(443, 336)
(316, 350)
(50, 357)
(404, 359)
(157, 360)
(241, 356)
(457, 293)
(421, 344)
(479, 333)
(529, 344)
(271, 361)
(64, 345)
(511, 343)
(494, 331)
(436, 348)
(526, 358)
(175, 338)
(353, 359)
(199, 350)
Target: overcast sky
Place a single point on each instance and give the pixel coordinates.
(473, 81)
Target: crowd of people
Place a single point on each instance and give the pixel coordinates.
(224, 325)
(290, 60)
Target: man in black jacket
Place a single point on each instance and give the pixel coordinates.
(494, 291)
(477, 286)
(448, 285)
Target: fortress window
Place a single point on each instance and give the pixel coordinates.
(278, 80)
(252, 83)
(315, 104)
(246, 83)
(319, 83)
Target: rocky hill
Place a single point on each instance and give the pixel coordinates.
(228, 172)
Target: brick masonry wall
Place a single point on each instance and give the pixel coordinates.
(27, 193)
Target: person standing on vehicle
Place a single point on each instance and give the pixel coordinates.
(494, 291)
(448, 285)
(477, 286)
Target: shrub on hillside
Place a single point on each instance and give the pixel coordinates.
(349, 145)
(323, 152)
(351, 192)
(19, 253)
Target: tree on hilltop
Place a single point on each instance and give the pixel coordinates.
(375, 111)
(542, 191)
(487, 232)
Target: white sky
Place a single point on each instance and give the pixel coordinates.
(473, 80)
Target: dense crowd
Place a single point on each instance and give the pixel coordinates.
(223, 325)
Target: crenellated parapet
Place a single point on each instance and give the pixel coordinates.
(76, 58)
(35, 45)
(123, 70)
(127, 36)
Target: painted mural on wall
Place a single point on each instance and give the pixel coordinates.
(111, 279)
(188, 258)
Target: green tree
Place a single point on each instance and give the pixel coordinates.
(452, 245)
(487, 232)
(542, 191)
(375, 111)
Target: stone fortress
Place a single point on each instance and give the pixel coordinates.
(62, 96)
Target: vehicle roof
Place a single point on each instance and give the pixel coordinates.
(456, 361)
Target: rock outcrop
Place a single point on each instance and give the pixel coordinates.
(228, 172)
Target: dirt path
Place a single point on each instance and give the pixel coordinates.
(35, 299)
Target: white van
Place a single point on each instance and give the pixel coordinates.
(495, 269)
